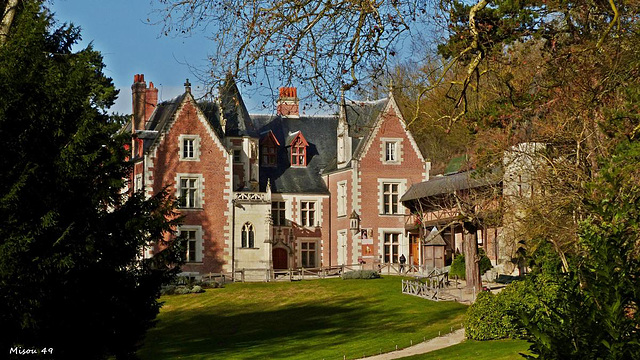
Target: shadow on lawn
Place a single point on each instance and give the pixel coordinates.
(283, 333)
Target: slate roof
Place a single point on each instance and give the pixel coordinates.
(434, 239)
(320, 133)
(235, 112)
(441, 185)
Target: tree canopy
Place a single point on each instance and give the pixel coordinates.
(72, 278)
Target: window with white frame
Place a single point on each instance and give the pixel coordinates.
(278, 213)
(188, 190)
(193, 238)
(391, 151)
(342, 198)
(390, 197)
(248, 236)
(308, 254)
(307, 213)
(138, 182)
(391, 248)
(189, 147)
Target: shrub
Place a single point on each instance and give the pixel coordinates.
(197, 289)
(497, 316)
(458, 265)
(361, 274)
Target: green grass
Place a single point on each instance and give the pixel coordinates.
(478, 350)
(320, 319)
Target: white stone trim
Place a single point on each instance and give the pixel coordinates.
(403, 240)
(341, 210)
(199, 240)
(196, 147)
(402, 188)
(317, 207)
(383, 151)
(200, 191)
(318, 250)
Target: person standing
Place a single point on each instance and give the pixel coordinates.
(403, 260)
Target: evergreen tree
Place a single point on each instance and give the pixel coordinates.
(71, 237)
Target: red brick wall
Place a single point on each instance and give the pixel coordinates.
(213, 168)
(372, 168)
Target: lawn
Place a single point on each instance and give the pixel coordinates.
(478, 350)
(318, 319)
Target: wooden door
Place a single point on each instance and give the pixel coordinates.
(280, 260)
(414, 249)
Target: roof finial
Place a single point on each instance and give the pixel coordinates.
(187, 86)
(391, 85)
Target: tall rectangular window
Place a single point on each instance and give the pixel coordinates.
(191, 246)
(308, 254)
(391, 151)
(237, 156)
(307, 213)
(390, 196)
(391, 248)
(188, 148)
(189, 192)
(278, 213)
(342, 199)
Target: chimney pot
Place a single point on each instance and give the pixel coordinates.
(287, 105)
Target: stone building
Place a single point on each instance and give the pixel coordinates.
(260, 192)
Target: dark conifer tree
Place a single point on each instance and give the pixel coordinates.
(71, 275)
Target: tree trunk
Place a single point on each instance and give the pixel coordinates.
(8, 13)
(471, 258)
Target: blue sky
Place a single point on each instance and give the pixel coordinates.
(118, 30)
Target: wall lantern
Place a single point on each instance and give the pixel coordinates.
(354, 221)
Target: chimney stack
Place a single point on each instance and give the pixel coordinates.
(288, 102)
(144, 101)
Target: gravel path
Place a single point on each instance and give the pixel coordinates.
(440, 342)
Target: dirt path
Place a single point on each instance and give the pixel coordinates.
(440, 342)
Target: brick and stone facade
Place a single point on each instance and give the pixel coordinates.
(259, 192)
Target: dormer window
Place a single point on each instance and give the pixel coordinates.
(299, 150)
(269, 150)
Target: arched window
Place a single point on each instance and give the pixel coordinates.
(248, 236)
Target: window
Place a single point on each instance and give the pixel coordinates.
(237, 155)
(307, 213)
(268, 155)
(248, 236)
(390, 198)
(391, 151)
(189, 147)
(193, 237)
(342, 198)
(278, 213)
(298, 156)
(308, 254)
(189, 196)
(391, 247)
(138, 182)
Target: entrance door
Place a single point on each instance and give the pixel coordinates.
(280, 260)
(414, 249)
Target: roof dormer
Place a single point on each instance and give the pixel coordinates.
(269, 149)
(298, 146)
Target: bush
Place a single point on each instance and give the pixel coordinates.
(497, 316)
(458, 265)
(197, 289)
(361, 274)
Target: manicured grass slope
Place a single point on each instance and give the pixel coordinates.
(321, 319)
(478, 350)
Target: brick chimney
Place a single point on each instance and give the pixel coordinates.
(288, 102)
(144, 101)
(138, 99)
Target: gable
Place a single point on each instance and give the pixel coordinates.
(389, 118)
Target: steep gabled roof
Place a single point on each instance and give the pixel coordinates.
(238, 121)
(319, 132)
